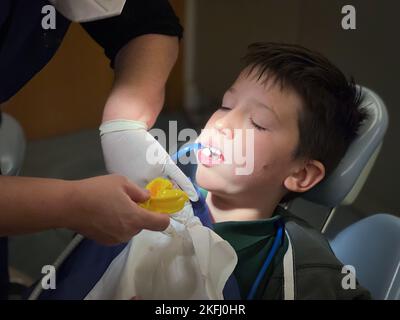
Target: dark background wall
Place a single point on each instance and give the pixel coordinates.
(222, 30)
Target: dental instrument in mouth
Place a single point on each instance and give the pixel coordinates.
(210, 156)
(207, 155)
(186, 149)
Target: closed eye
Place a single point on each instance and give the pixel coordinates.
(256, 125)
(224, 108)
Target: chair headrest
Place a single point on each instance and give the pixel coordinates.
(350, 173)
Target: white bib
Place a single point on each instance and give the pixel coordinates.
(88, 10)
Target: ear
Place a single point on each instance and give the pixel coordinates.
(306, 177)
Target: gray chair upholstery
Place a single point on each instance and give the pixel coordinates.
(372, 247)
(12, 146)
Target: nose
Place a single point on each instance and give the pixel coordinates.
(228, 122)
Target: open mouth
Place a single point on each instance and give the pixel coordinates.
(210, 156)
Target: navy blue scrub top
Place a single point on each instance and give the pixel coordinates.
(25, 48)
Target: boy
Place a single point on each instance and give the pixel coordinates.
(303, 114)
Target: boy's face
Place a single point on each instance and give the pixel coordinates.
(272, 115)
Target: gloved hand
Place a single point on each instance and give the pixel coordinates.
(129, 150)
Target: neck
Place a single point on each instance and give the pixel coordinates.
(225, 207)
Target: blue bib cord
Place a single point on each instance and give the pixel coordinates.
(275, 246)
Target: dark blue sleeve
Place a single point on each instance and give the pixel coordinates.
(25, 47)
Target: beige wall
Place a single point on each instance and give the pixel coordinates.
(371, 53)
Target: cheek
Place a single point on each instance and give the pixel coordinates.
(271, 159)
(263, 152)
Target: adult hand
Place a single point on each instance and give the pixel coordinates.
(130, 150)
(105, 209)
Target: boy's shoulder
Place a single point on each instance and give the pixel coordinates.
(305, 240)
(318, 273)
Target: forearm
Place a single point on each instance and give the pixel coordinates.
(141, 72)
(33, 204)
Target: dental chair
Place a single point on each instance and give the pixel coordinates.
(371, 245)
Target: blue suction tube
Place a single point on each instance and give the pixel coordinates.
(185, 150)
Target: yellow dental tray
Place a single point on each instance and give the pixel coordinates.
(163, 197)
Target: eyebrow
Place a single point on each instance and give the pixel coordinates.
(258, 103)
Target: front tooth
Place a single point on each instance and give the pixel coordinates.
(215, 151)
(207, 152)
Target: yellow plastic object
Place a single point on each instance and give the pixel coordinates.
(163, 197)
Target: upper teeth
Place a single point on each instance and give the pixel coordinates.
(212, 151)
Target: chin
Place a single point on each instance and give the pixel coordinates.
(217, 181)
(209, 180)
(204, 179)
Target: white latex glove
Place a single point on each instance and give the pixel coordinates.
(129, 150)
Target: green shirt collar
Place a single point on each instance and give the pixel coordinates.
(244, 234)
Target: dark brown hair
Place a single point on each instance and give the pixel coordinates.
(331, 113)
